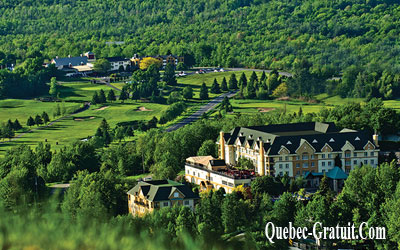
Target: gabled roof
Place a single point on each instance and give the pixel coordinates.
(73, 61)
(316, 134)
(161, 190)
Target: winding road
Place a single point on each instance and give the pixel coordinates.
(205, 108)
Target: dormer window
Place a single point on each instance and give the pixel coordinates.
(289, 143)
(176, 195)
(259, 138)
(250, 136)
(241, 133)
(314, 141)
(331, 140)
(357, 138)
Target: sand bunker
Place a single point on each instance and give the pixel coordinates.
(143, 109)
(102, 108)
(83, 118)
(265, 109)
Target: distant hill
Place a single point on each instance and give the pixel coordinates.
(252, 33)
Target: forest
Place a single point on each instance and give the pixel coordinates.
(252, 33)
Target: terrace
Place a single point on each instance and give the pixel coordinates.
(229, 172)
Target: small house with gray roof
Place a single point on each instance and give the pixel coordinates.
(149, 195)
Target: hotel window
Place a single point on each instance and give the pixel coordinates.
(287, 165)
(323, 164)
(372, 153)
(287, 172)
(365, 161)
(329, 163)
(329, 156)
(365, 153)
(186, 203)
(355, 162)
(297, 157)
(304, 156)
(286, 158)
(312, 164)
(176, 195)
(297, 165)
(298, 173)
(280, 158)
(323, 170)
(305, 165)
(323, 156)
(166, 204)
(372, 162)
(355, 154)
(312, 157)
(347, 154)
(347, 163)
(224, 182)
(280, 166)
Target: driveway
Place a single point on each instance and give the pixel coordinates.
(205, 108)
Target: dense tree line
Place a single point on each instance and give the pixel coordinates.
(28, 79)
(336, 34)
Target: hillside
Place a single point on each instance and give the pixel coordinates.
(252, 33)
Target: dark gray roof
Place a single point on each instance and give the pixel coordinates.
(74, 61)
(293, 135)
(117, 59)
(160, 190)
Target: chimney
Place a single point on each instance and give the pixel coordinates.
(375, 137)
(261, 164)
(222, 145)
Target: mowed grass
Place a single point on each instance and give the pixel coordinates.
(84, 124)
(21, 109)
(256, 106)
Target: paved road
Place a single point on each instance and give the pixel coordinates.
(205, 108)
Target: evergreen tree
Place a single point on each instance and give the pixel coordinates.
(215, 89)
(38, 120)
(243, 80)
(102, 97)
(253, 77)
(104, 125)
(10, 124)
(123, 95)
(17, 125)
(30, 122)
(224, 85)
(45, 117)
(95, 99)
(226, 105)
(111, 96)
(250, 90)
(169, 74)
(203, 92)
(233, 82)
(263, 77)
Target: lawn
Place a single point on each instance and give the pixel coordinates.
(21, 109)
(256, 106)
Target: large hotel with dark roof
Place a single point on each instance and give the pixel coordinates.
(292, 149)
